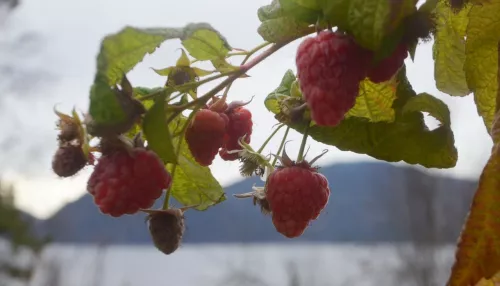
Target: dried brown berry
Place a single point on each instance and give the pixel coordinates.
(166, 228)
(68, 160)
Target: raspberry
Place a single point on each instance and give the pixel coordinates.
(166, 228)
(68, 160)
(330, 67)
(125, 181)
(240, 124)
(297, 194)
(389, 66)
(205, 135)
(288, 227)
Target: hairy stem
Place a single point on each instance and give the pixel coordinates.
(300, 157)
(269, 138)
(248, 55)
(282, 145)
(185, 87)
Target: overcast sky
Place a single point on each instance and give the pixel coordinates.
(53, 44)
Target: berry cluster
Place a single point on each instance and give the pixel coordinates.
(218, 129)
(330, 68)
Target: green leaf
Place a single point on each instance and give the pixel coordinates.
(165, 71)
(425, 102)
(104, 105)
(368, 21)
(374, 101)
(222, 66)
(203, 42)
(449, 50)
(276, 30)
(283, 90)
(120, 52)
(192, 183)
(157, 133)
(336, 12)
(405, 139)
(308, 11)
(183, 60)
(271, 11)
(201, 72)
(401, 9)
(481, 63)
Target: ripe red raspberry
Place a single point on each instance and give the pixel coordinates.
(389, 66)
(166, 228)
(240, 124)
(205, 135)
(288, 226)
(125, 181)
(297, 194)
(330, 67)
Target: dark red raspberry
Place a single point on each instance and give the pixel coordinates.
(240, 124)
(330, 68)
(68, 160)
(125, 181)
(205, 135)
(389, 66)
(166, 228)
(297, 194)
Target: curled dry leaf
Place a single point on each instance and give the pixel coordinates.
(478, 253)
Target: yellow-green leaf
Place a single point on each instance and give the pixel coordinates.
(449, 49)
(204, 43)
(405, 139)
(183, 60)
(201, 72)
(192, 184)
(374, 101)
(223, 66)
(478, 252)
(425, 102)
(481, 64)
(157, 133)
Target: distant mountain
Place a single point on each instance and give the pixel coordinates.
(369, 202)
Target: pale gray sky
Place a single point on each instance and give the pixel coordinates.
(69, 34)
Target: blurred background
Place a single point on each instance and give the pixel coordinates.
(386, 224)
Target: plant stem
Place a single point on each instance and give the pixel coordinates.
(248, 55)
(236, 54)
(300, 157)
(235, 75)
(175, 97)
(282, 145)
(186, 86)
(254, 50)
(269, 138)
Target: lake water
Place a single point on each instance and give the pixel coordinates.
(252, 264)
